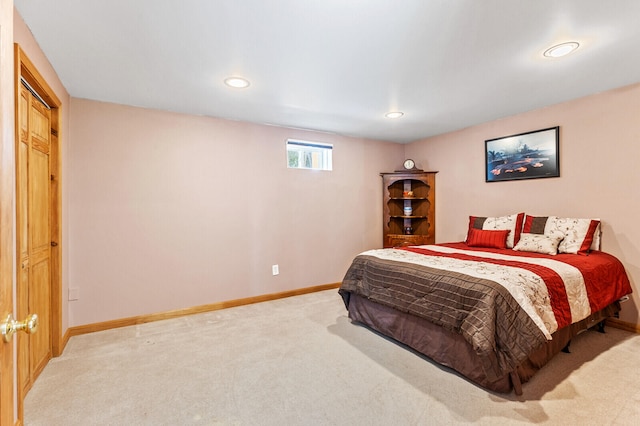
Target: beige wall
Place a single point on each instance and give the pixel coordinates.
(171, 211)
(164, 211)
(599, 178)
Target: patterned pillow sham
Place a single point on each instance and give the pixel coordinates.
(485, 238)
(512, 223)
(580, 235)
(539, 243)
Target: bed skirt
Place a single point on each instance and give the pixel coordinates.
(451, 350)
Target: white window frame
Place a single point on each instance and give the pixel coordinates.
(318, 156)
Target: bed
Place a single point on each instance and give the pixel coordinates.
(497, 306)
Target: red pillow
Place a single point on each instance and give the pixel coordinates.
(487, 238)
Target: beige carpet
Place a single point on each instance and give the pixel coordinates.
(300, 361)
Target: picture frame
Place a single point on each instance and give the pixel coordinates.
(530, 155)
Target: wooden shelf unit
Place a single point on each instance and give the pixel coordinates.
(418, 227)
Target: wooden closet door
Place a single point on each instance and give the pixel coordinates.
(33, 239)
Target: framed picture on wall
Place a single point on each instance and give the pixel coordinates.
(530, 155)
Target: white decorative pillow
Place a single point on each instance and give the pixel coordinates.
(512, 223)
(578, 233)
(539, 243)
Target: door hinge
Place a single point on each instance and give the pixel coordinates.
(54, 132)
(54, 244)
(53, 177)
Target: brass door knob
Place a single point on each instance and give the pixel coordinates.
(10, 326)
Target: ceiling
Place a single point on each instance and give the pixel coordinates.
(339, 65)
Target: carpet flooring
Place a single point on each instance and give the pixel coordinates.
(300, 361)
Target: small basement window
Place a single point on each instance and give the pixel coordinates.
(309, 155)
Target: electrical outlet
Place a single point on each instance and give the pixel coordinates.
(275, 270)
(74, 294)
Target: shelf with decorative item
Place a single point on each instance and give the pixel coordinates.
(408, 225)
(409, 208)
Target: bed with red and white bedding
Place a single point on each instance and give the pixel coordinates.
(495, 315)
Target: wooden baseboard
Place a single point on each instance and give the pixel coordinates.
(623, 325)
(124, 322)
(65, 340)
(142, 319)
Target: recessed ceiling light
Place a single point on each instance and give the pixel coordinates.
(561, 49)
(236, 82)
(394, 114)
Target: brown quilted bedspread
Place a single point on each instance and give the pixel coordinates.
(483, 312)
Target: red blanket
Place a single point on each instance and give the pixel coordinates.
(604, 276)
